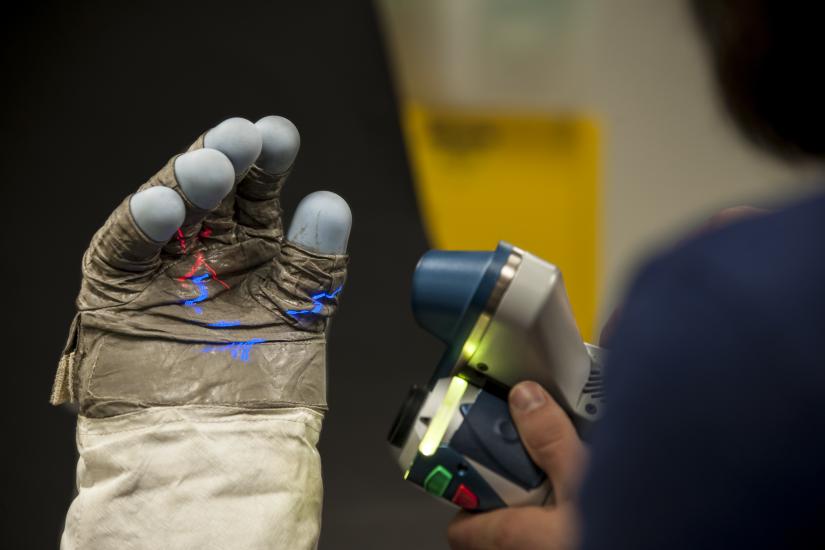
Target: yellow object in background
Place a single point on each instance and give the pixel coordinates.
(530, 180)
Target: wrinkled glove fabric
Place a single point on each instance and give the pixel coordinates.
(198, 367)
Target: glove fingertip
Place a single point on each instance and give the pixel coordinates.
(158, 212)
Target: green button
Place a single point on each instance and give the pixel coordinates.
(437, 480)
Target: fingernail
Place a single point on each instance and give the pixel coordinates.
(527, 396)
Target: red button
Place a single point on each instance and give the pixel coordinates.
(465, 498)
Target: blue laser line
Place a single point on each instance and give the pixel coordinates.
(316, 303)
(224, 324)
(203, 293)
(238, 350)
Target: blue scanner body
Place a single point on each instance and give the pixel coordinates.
(454, 437)
(450, 290)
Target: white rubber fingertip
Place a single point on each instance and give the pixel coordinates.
(205, 176)
(321, 223)
(158, 212)
(239, 140)
(281, 142)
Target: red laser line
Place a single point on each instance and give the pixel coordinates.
(181, 240)
(214, 274)
(200, 261)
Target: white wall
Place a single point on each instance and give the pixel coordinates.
(671, 158)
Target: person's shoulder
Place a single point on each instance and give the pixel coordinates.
(794, 235)
(714, 383)
(768, 263)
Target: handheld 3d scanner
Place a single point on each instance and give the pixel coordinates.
(505, 318)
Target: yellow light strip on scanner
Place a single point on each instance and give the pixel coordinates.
(438, 425)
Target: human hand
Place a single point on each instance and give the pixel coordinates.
(551, 439)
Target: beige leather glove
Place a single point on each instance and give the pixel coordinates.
(198, 365)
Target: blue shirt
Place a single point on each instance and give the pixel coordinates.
(714, 435)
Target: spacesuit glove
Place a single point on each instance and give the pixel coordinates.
(197, 356)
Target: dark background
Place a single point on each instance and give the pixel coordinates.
(96, 97)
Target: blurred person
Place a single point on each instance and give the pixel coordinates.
(714, 435)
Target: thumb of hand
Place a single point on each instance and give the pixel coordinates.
(549, 437)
